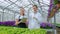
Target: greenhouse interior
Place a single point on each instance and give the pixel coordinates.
(13, 11)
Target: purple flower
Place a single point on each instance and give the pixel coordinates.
(49, 24)
(43, 24)
(46, 25)
(1, 23)
(9, 23)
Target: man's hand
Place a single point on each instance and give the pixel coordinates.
(35, 18)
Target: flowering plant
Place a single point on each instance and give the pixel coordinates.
(8, 23)
(46, 25)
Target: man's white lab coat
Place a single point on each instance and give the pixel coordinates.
(34, 23)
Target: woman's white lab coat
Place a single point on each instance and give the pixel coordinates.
(34, 20)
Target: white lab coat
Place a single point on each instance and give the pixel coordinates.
(33, 23)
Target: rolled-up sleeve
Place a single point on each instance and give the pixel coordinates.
(17, 17)
(39, 17)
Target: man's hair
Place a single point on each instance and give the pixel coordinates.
(58, 1)
(35, 6)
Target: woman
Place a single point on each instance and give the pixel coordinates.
(20, 17)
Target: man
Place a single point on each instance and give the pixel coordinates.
(34, 18)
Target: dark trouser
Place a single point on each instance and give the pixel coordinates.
(22, 25)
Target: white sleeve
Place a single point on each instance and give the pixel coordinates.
(26, 15)
(39, 17)
(17, 17)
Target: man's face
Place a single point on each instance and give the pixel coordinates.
(34, 8)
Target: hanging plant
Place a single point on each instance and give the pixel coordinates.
(55, 1)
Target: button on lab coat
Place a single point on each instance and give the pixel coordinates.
(33, 23)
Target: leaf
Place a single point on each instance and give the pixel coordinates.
(23, 20)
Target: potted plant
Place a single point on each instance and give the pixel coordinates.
(46, 25)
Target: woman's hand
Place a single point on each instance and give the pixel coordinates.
(27, 22)
(16, 22)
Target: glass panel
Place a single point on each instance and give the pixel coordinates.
(58, 18)
(1, 10)
(4, 3)
(0, 16)
(13, 1)
(8, 17)
(46, 1)
(12, 6)
(6, 11)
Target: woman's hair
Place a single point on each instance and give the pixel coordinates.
(21, 8)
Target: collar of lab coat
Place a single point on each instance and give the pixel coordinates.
(36, 12)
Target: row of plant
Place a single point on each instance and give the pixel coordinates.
(8, 23)
(42, 24)
(14, 30)
(47, 25)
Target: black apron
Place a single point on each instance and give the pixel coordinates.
(22, 25)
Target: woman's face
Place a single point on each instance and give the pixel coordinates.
(22, 11)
